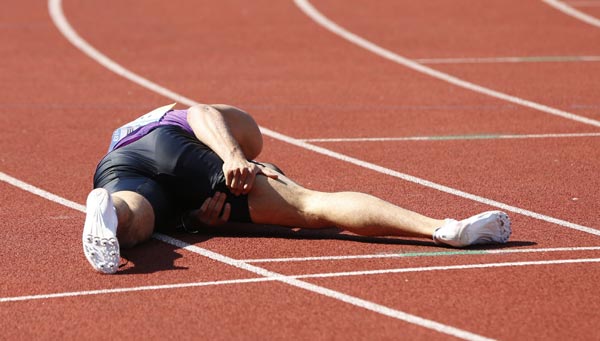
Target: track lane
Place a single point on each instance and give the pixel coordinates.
(275, 91)
(520, 38)
(251, 311)
(465, 28)
(506, 303)
(568, 86)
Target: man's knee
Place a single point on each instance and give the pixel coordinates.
(136, 218)
(282, 202)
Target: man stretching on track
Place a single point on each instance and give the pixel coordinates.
(195, 167)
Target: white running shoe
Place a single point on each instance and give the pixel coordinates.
(100, 244)
(484, 228)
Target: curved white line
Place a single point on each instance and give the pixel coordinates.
(61, 22)
(561, 6)
(319, 18)
(65, 28)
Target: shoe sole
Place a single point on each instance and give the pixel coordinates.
(100, 245)
(488, 227)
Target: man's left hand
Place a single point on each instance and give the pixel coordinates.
(240, 175)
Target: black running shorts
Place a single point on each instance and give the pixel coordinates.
(173, 170)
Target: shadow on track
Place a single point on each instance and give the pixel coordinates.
(151, 256)
(154, 256)
(272, 231)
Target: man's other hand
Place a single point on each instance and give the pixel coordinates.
(210, 211)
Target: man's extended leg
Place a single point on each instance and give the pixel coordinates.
(285, 203)
(282, 202)
(124, 218)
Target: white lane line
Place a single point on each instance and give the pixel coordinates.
(495, 60)
(561, 6)
(305, 276)
(57, 15)
(451, 137)
(320, 19)
(421, 254)
(131, 289)
(352, 300)
(449, 268)
(40, 192)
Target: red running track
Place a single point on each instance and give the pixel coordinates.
(59, 107)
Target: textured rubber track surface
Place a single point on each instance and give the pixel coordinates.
(58, 108)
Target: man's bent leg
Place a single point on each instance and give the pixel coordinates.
(125, 217)
(283, 202)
